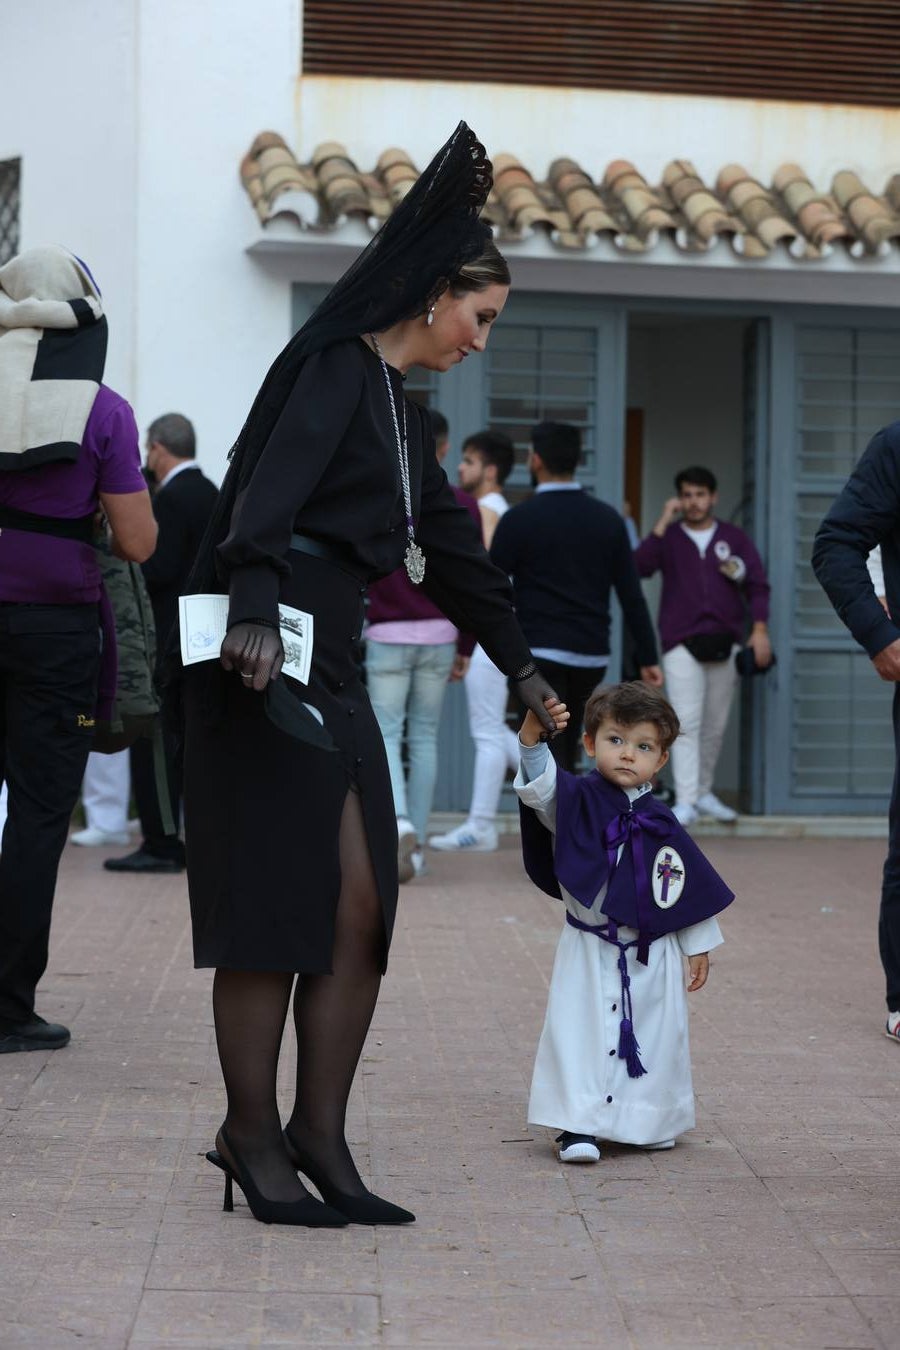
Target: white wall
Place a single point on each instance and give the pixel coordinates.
(209, 319)
(131, 118)
(596, 127)
(67, 108)
(687, 375)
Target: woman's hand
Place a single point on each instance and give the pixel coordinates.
(254, 650)
(534, 691)
(532, 731)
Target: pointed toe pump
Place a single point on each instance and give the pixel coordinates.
(368, 1208)
(306, 1213)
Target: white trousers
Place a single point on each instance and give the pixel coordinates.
(496, 746)
(105, 791)
(701, 693)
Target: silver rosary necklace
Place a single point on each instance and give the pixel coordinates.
(414, 559)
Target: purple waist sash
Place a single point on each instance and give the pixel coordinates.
(629, 1050)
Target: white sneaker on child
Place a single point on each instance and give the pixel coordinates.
(577, 1148)
(709, 805)
(466, 838)
(892, 1028)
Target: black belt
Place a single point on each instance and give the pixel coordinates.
(80, 528)
(333, 553)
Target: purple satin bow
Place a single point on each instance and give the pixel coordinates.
(628, 827)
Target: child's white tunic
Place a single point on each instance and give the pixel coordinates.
(579, 1083)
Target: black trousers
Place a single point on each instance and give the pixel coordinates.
(146, 795)
(889, 917)
(49, 665)
(574, 685)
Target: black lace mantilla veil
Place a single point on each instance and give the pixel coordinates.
(433, 232)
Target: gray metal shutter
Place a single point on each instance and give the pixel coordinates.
(847, 386)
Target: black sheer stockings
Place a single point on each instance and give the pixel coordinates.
(332, 1015)
(250, 1009)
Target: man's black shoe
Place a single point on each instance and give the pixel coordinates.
(139, 861)
(35, 1034)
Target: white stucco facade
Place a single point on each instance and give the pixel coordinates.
(130, 143)
(596, 127)
(131, 139)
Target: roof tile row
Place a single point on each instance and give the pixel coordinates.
(575, 211)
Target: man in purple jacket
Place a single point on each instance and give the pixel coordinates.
(711, 576)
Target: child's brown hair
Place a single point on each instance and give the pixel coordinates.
(629, 704)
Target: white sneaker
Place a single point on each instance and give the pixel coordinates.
(91, 837)
(892, 1027)
(709, 805)
(659, 1145)
(684, 813)
(577, 1148)
(407, 843)
(420, 866)
(466, 838)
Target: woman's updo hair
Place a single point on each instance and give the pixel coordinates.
(489, 269)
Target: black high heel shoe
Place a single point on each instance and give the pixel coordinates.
(366, 1208)
(306, 1213)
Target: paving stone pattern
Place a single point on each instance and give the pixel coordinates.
(776, 1223)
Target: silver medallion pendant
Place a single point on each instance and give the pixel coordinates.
(415, 564)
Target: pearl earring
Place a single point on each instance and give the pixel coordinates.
(430, 319)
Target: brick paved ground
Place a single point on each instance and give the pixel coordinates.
(776, 1223)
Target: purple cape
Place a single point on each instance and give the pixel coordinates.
(661, 883)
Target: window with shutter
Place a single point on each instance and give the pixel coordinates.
(537, 374)
(848, 385)
(10, 174)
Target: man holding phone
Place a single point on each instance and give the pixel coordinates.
(711, 575)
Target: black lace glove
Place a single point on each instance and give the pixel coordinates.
(532, 689)
(253, 648)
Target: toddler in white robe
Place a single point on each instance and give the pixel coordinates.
(580, 1084)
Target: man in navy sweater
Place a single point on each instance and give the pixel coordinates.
(565, 551)
(867, 513)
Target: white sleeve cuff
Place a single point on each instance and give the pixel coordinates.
(539, 793)
(700, 937)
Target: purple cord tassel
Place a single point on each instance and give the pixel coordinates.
(629, 1050)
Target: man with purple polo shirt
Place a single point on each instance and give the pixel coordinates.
(68, 447)
(711, 576)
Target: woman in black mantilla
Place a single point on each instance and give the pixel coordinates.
(291, 834)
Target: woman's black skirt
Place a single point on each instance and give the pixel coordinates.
(263, 809)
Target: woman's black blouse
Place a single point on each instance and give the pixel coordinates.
(331, 470)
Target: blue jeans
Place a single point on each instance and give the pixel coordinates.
(406, 684)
